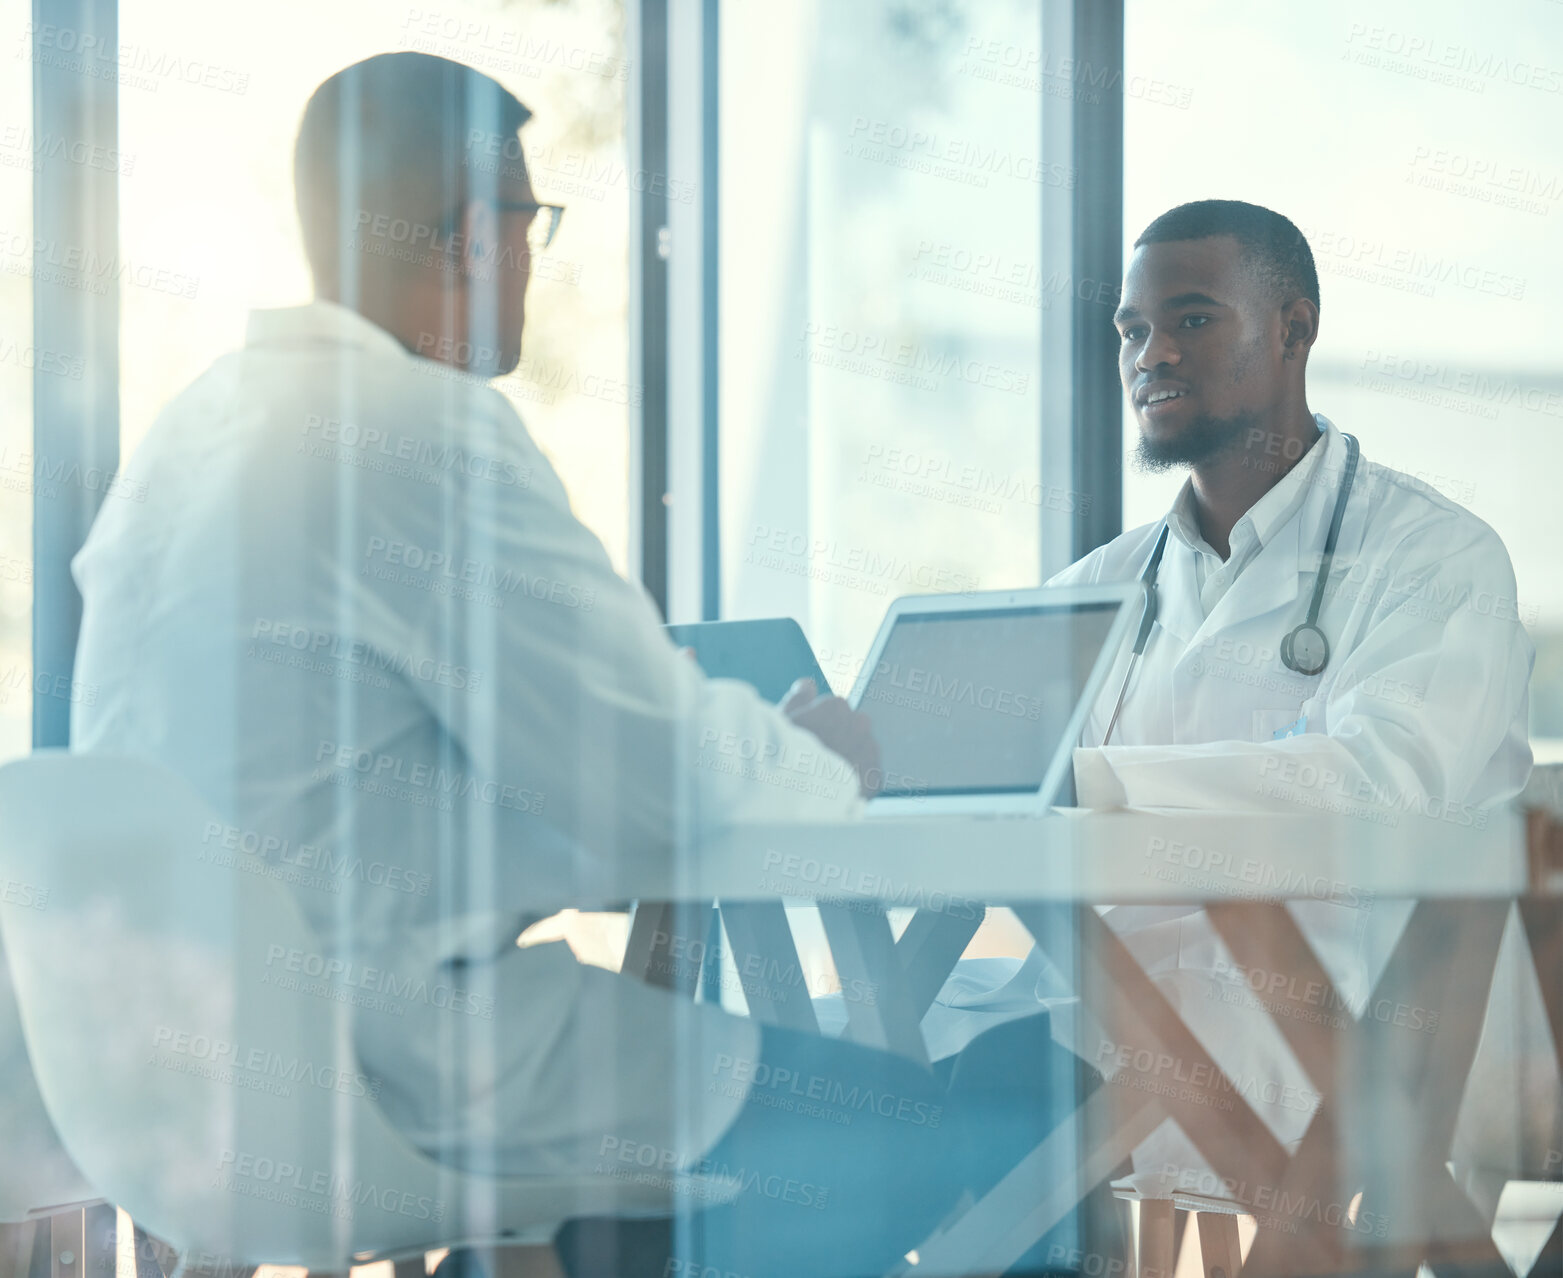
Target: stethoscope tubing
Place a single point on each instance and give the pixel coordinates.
(1153, 568)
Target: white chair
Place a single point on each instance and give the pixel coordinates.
(146, 955)
(43, 1195)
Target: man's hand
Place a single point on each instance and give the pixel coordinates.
(838, 726)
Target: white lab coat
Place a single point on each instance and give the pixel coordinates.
(1423, 706)
(344, 594)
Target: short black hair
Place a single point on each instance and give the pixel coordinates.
(1276, 250)
(406, 136)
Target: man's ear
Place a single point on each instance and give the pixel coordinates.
(479, 234)
(1299, 327)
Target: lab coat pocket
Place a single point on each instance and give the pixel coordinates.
(1271, 723)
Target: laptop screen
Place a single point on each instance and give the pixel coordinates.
(977, 702)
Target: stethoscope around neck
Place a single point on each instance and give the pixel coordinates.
(1304, 650)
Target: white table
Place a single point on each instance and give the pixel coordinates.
(1052, 871)
(1080, 856)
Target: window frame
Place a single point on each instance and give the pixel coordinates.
(1082, 244)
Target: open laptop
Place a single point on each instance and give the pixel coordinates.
(978, 700)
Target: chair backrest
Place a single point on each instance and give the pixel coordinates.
(192, 1048)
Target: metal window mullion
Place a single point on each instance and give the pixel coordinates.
(694, 563)
(1082, 246)
(710, 351)
(647, 144)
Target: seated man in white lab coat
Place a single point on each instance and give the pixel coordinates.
(356, 611)
(1421, 706)
(1423, 697)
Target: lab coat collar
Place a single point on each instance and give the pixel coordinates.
(1290, 516)
(320, 321)
(1267, 515)
(1178, 608)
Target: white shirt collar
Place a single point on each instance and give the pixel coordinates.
(320, 321)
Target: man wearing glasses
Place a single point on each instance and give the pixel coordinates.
(357, 613)
(477, 224)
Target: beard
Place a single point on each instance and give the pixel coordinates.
(1202, 439)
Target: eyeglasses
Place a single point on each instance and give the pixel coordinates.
(540, 230)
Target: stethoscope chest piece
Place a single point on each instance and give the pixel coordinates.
(1305, 650)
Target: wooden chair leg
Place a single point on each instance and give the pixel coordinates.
(67, 1241)
(16, 1247)
(100, 1241)
(1156, 1250)
(1219, 1249)
(39, 1267)
(74, 1244)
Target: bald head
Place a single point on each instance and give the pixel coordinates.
(403, 140)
